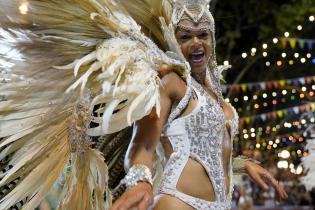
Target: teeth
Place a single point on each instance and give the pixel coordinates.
(198, 53)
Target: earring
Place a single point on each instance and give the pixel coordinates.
(213, 79)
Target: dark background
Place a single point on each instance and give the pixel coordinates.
(243, 25)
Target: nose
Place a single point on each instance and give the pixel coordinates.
(195, 44)
(196, 40)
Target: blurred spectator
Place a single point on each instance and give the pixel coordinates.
(312, 194)
(246, 201)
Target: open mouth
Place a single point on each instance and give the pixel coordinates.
(197, 57)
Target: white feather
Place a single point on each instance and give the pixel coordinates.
(108, 113)
(83, 61)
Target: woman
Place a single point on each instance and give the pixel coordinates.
(47, 120)
(196, 134)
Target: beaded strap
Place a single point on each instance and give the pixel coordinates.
(183, 103)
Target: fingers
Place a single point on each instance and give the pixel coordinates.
(127, 201)
(132, 200)
(260, 182)
(164, 70)
(263, 178)
(269, 178)
(276, 185)
(281, 192)
(145, 202)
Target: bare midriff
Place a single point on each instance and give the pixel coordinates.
(194, 180)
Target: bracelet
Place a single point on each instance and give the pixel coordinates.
(239, 164)
(137, 173)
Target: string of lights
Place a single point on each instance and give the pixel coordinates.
(278, 126)
(284, 41)
(277, 114)
(274, 84)
(289, 124)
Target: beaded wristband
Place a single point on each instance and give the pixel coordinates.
(137, 173)
(239, 164)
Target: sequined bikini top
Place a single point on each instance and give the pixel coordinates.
(205, 100)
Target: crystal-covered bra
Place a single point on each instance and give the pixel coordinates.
(199, 136)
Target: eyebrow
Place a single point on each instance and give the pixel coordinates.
(184, 30)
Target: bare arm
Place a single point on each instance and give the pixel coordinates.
(264, 178)
(146, 135)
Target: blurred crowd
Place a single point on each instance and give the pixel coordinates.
(247, 195)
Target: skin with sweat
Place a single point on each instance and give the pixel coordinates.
(197, 49)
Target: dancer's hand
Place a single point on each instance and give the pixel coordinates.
(263, 178)
(164, 70)
(139, 197)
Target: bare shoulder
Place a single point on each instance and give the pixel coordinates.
(173, 86)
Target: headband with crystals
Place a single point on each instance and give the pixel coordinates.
(196, 11)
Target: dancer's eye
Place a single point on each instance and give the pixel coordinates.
(203, 35)
(185, 37)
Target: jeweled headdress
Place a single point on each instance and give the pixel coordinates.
(196, 11)
(193, 10)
